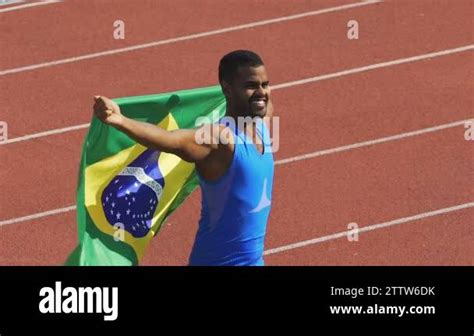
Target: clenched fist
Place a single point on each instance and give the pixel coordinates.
(107, 111)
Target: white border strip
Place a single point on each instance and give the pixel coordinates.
(185, 38)
(276, 87)
(279, 162)
(369, 228)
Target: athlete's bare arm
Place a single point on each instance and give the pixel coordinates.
(212, 157)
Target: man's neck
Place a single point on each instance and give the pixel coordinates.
(249, 128)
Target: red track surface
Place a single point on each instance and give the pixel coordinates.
(312, 198)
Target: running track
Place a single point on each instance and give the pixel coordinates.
(379, 141)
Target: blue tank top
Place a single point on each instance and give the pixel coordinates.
(235, 208)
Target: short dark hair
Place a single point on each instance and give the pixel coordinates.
(229, 64)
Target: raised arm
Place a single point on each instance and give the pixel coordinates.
(179, 142)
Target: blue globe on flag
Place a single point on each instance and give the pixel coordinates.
(132, 196)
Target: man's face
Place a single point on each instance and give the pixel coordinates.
(249, 92)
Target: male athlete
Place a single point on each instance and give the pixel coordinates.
(234, 165)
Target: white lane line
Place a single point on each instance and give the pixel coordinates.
(369, 228)
(45, 133)
(37, 215)
(185, 38)
(275, 87)
(278, 162)
(34, 4)
(371, 142)
(376, 66)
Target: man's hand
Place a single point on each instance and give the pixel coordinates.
(107, 111)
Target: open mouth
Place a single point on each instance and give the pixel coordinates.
(259, 103)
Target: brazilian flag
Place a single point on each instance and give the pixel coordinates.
(126, 191)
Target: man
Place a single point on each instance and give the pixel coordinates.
(233, 159)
